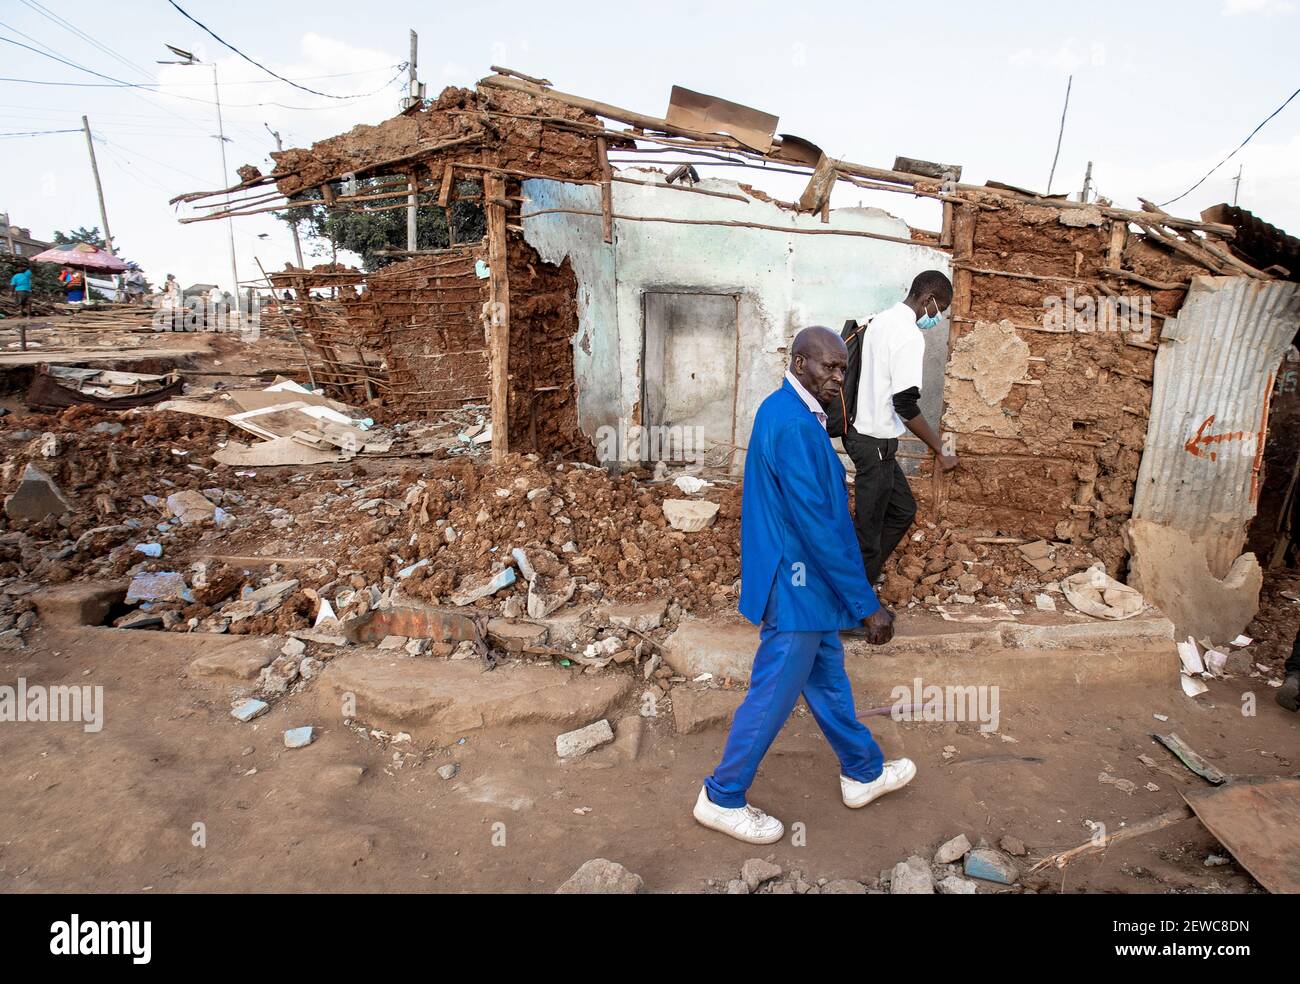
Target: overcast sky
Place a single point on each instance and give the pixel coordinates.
(1162, 91)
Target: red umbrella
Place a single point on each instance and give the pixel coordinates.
(82, 255)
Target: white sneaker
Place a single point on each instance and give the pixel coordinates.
(747, 823)
(896, 775)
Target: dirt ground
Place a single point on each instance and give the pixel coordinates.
(115, 811)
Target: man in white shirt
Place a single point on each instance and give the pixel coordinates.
(889, 393)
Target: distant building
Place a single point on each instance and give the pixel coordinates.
(18, 241)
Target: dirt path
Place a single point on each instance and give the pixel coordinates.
(115, 811)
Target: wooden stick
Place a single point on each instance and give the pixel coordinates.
(494, 186)
(1166, 819)
(676, 187)
(727, 222)
(519, 75)
(606, 192)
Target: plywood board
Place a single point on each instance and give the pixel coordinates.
(1258, 820)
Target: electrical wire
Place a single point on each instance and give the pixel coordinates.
(156, 88)
(253, 61)
(1233, 154)
(34, 133)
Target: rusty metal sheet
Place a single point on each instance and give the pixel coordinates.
(709, 114)
(1209, 409)
(1258, 820)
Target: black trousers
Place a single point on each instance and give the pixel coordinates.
(1292, 667)
(883, 506)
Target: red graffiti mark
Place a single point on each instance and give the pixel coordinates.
(1200, 443)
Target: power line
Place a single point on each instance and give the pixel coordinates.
(1233, 154)
(253, 61)
(157, 89)
(34, 133)
(78, 32)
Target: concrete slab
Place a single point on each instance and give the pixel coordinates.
(238, 661)
(1041, 649)
(75, 605)
(700, 710)
(440, 701)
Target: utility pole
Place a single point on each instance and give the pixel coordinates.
(1064, 109)
(225, 183)
(415, 95)
(99, 188)
(1236, 184)
(1087, 183)
(297, 245)
(187, 58)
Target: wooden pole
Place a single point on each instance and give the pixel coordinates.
(412, 99)
(498, 326)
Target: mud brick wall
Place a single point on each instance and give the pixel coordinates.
(1049, 423)
(543, 410)
(428, 312)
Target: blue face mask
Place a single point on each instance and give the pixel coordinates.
(928, 321)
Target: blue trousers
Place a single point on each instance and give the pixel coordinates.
(786, 665)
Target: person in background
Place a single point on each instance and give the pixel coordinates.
(889, 394)
(21, 282)
(74, 285)
(801, 578)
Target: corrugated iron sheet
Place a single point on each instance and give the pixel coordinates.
(1209, 409)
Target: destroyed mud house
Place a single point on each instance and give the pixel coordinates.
(1106, 373)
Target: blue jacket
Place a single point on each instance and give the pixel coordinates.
(797, 542)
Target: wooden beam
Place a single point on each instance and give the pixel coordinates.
(606, 192)
(498, 326)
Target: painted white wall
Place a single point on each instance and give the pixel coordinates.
(786, 281)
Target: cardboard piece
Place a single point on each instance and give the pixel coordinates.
(708, 114)
(280, 451)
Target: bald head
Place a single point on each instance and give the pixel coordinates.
(817, 359)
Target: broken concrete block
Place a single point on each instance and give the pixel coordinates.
(911, 877)
(448, 771)
(37, 497)
(476, 586)
(956, 885)
(1173, 572)
(293, 648)
(699, 710)
(642, 616)
(690, 515)
(1044, 603)
(393, 642)
(259, 602)
(572, 744)
(840, 886)
(756, 871)
(190, 508)
(600, 876)
(722, 648)
(247, 710)
(952, 850)
(514, 636)
(163, 586)
(1013, 846)
(276, 678)
(991, 865)
(1036, 550)
(299, 737)
(243, 662)
(75, 605)
(547, 592)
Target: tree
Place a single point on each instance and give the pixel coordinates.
(82, 235)
(370, 233)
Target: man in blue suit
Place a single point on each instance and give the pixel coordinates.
(802, 579)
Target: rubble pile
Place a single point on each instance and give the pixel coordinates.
(939, 563)
(955, 868)
(138, 496)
